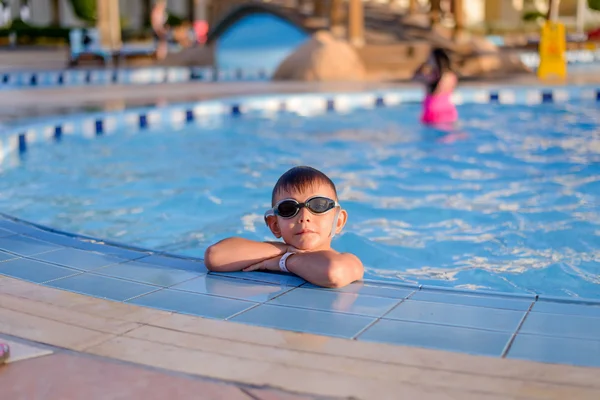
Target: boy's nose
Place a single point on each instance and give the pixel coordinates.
(303, 215)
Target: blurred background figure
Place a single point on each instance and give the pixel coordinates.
(5, 14)
(25, 11)
(158, 20)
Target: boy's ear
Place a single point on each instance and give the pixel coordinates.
(274, 226)
(341, 221)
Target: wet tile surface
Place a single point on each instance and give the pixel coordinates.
(147, 273)
(302, 320)
(233, 288)
(556, 350)
(473, 300)
(567, 326)
(457, 315)
(78, 259)
(103, 287)
(340, 302)
(25, 246)
(193, 303)
(34, 271)
(472, 341)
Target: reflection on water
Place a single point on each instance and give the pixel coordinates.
(512, 206)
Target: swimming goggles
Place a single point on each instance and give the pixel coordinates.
(289, 208)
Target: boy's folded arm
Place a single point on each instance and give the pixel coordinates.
(326, 268)
(235, 254)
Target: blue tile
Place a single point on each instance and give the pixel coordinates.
(104, 287)
(34, 271)
(566, 308)
(440, 337)
(350, 303)
(457, 315)
(78, 259)
(391, 291)
(268, 277)
(556, 350)
(301, 320)
(473, 300)
(4, 233)
(193, 303)
(17, 227)
(234, 288)
(175, 262)
(25, 246)
(147, 273)
(7, 256)
(574, 326)
(54, 238)
(111, 250)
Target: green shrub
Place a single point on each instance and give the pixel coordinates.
(533, 16)
(30, 33)
(85, 10)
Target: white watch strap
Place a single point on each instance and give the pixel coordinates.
(282, 261)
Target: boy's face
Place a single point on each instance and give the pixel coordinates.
(306, 230)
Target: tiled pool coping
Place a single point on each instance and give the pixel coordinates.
(540, 328)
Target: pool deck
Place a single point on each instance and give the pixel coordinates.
(255, 357)
(218, 349)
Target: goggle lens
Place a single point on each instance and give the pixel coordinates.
(316, 205)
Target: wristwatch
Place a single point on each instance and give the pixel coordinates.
(282, 261)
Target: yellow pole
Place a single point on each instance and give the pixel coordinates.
(356, 23)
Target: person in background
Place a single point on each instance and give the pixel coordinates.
(158, 20)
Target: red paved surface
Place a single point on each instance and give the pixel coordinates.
(67, 375)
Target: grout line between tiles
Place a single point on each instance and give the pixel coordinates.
(77, 273)
(241, 312)
(158, 289)
(369, 325)
(258, 304)
(514, 335)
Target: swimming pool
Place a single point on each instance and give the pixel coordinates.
(508, 204)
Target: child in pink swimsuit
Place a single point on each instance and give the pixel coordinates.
(440, 81)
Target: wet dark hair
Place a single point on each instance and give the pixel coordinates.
(442, 61)
(300, 179)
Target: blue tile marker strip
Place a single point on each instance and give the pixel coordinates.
(539, 328)
(138, 76)
(525, 326)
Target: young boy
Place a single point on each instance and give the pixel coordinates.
(306, 214)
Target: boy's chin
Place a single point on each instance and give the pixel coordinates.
(310, 245)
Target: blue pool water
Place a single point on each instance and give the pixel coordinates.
(509, 203)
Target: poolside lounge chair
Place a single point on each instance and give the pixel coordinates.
(87, 43)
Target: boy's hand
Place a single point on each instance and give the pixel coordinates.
(270, 264)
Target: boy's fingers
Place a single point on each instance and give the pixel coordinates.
(252, 268)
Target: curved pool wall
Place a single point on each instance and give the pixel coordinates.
(533, 327)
